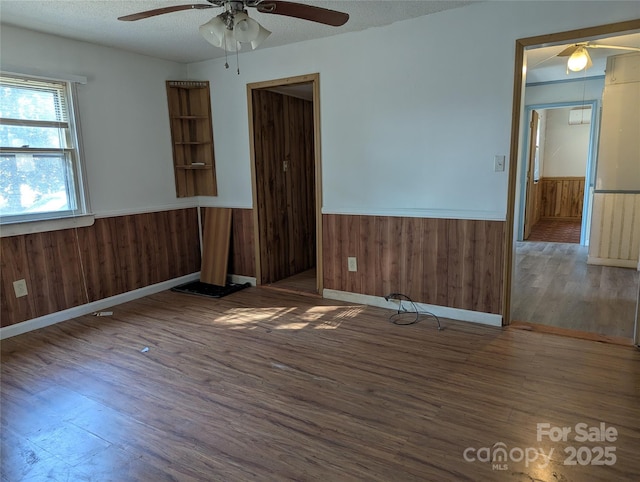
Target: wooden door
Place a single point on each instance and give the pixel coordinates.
(285, 184)
(530, 197)
(299, 184)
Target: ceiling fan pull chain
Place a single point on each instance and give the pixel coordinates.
(226, 57)
(237, 61)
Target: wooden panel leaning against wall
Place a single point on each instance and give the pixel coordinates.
(446, 262)
(119, 254)
(216, 237)
(241, 249)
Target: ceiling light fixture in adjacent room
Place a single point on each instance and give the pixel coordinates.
(579, 60)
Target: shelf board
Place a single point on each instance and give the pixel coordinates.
(187, 85)
(195, 167)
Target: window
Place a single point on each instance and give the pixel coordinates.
(40, 176)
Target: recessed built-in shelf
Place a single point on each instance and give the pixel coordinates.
(192, 137)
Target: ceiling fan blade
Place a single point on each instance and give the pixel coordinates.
(305, 12)
(568, 51)
(162, 11)
(617, 47)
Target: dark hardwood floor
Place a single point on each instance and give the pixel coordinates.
(264, 385)
(555, 286)
(304, 282)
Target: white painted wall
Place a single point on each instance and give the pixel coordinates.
(566, 92)
(619, 154)
(566, 146)
(412, 113)
(556, 93)
(586, 90)
(123, 115)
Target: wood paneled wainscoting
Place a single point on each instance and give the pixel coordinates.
(447, 262)
(561, 197)
(242, 253)
(615, 230)
(118, 254)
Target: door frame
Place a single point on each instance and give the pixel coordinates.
(590, 168)
(314, 79)
(528, 204)
(514, 146)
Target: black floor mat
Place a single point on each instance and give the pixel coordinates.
(212, 291)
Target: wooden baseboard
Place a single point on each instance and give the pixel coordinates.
(76, 311)
(240, 279)
(490, 319)
(617, 263)
(583, 335)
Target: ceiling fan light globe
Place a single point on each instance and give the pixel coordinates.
(213, 31)
(230, 42)
(579, 60)
(245, 29)
(263, 33)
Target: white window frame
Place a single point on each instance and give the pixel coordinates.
(46, 221)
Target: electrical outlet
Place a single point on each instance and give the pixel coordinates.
(20, 287)
(498, 163)
(352, 263)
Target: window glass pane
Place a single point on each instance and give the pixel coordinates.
(38, 159)
(32, 101)
(35, 183)
(22, 136)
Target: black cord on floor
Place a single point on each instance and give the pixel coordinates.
(396, 318)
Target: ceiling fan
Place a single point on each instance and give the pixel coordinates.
(234, 26)
(579, 57)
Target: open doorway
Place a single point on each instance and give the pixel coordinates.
(559, 287)
(554, 204)
(285, 153)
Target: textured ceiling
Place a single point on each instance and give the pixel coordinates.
(175, 36)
